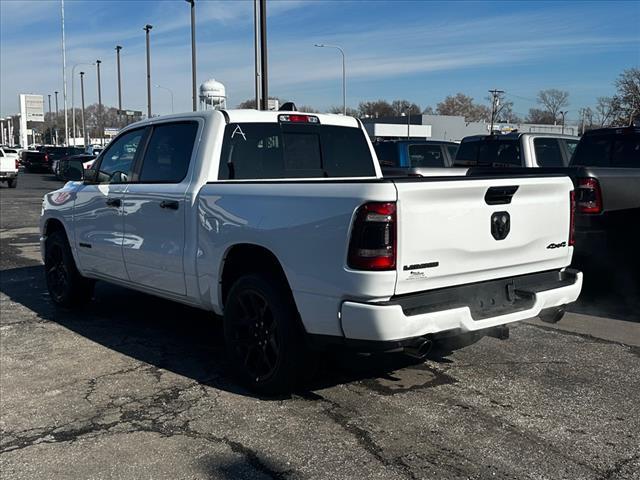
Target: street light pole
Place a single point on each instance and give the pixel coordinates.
(84, 132)
(64, 80)
(118, 48)
(55, 123)
(256, 47)
(193, 53)
(147, 28)
(73, 102)
(100, 132)
(344, 75)
(49, 122)
(168, 90)
(563, 114)
(263, 56)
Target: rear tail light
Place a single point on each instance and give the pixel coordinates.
(46, 157)
(293, 118)
(589, 196)
(572, 218)
(17, 164)
(373, 237)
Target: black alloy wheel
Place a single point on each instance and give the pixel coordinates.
(66, 286)
(263, 334)
(56, 272)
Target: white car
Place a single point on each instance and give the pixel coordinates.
(9, 167)
(282, 223)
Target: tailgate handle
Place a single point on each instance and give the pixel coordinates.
(500, 195)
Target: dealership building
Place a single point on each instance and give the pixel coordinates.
(449, 127)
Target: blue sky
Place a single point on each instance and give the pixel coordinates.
(417, 50)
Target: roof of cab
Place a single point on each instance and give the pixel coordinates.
(251, 116)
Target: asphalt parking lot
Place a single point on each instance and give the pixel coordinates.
(133, 386)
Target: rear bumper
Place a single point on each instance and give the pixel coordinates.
(463, 308)
(8, 175)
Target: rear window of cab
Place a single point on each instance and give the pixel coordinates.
(254, 151)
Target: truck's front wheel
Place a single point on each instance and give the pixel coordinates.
(65, 284)
(263, 334)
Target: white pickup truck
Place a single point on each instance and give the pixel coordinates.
(9, 167)
(282, 223)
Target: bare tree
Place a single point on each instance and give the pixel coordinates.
(429, 110)
(461, 104)
(504, 112)
(351, 112)
(605, 110)
(251, 103)
(377, 108)
(586, 119)
(553, 101)
(627, 98)
(536, 115)
(405, 106)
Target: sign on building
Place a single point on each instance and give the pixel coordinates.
(31, 110)
(32, 107)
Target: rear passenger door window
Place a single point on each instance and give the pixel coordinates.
(426, 156)
(168, 154)
(548, 152)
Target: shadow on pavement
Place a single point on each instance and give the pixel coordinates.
(174, 337)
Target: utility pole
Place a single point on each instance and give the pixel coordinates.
(193, 54)
(495, 101)
(256, 49)
(100, 126)
(118, 48)
(55, 123)
(263, 55)
(84, 134)
(49, 122)
(64, 80)
(147, 28)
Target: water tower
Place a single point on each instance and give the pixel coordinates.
(213, 95)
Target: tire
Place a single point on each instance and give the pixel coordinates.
(12, 183)
(66, 286)
(263, 335)
(551, 315)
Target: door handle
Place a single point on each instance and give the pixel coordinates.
(113, 202)
(170, 204)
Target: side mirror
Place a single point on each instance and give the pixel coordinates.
(71, 170)
(90, 176)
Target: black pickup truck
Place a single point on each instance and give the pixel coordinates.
(44, 158)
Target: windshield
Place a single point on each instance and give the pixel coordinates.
(272, 150)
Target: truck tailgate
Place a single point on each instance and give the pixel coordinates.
(460, 231)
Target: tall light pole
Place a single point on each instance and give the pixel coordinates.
(64, 79)
(193, 54)
(84, 132)
(344, 74)
(73, 102)
(168, 90)
(256, 47)
(55, 123)
(118, 48)
(264, 65)
(563, 113)
(147, 28)
(49, 122)
(98, 62)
